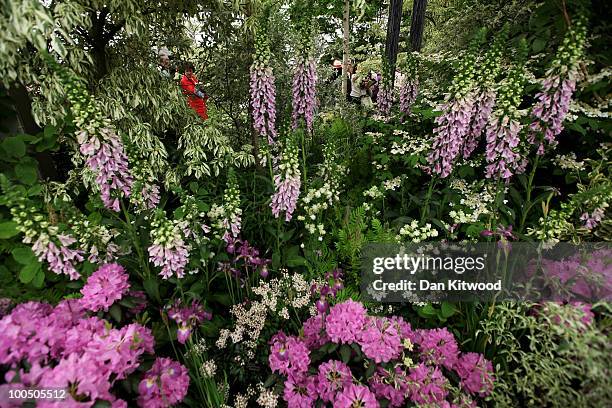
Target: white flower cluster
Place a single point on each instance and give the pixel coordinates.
(410, 145)
(416, 233)
(569, 162)
(208, 369)
(274, 302)
(553, 228)
(475, 201)
(317, 200)
(374, 192)
(393, 183)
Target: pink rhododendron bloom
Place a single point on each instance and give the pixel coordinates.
(333, 377)
(104, 287)
(439, 347)
(314, 332)
(427, 385)
(345, 322)
(300, 392)
(476, 373)
(390, 384)
(356, 396)
(164, 385)
(380, 340)
(289, 356)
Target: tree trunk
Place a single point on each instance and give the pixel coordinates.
(20, 99)
(417, 24)
(345, 46)
(393, 32)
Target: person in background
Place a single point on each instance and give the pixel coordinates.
(163, 64)
(357, 89)
(196, 98)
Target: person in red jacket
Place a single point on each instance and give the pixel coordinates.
(195, 97)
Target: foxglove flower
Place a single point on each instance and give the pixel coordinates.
(452, 127)
(287, 183)
(169, 249)
(304, 87)
(551, 108)
(61, 259)
(553, 101)
(502, 140)
(384, 100)
(408, 95)
(107, 159)
(263, 91)
(104, 287)
(484, 102)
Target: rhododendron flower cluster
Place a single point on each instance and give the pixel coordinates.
(584, 278)
(169, 249)
(304, 88)
(263, 90)
(558, 87)
(187, 317)
(61, 347)
(287, 183)
(104, 287)
(419, 361)
(164, 385)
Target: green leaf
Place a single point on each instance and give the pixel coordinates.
(538, 44)
(8, 229)
(115, 312)
(427, 311)
(28, 272)
(26, 172)
(14, 147)
(447, 309)
(151, 286)
(24, 255)
(345, 353)
(39, 279)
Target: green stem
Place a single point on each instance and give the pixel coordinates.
(135, 239)
(527, 205)
(425, 211)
